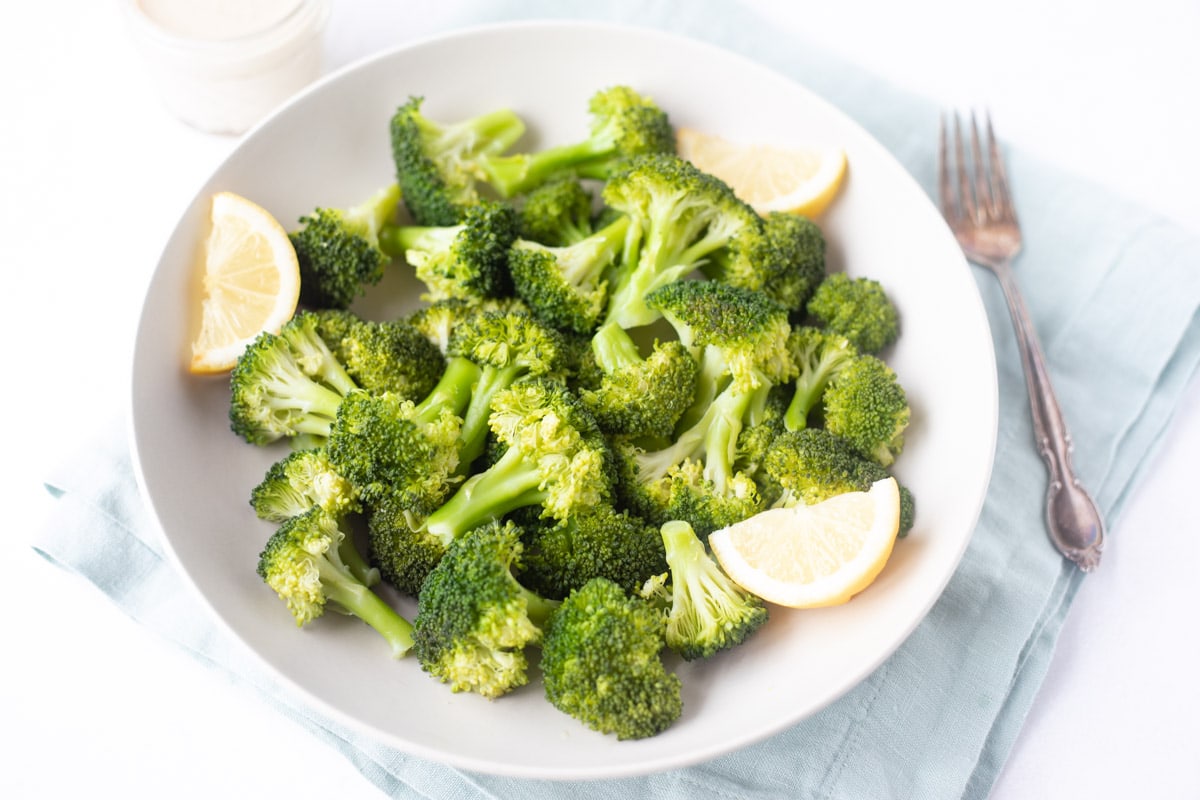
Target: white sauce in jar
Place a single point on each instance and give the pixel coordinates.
(222, 65)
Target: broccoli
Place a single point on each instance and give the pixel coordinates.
(857, 308)
(384, 446)
(602, 664)
(287, 384)
(764, 422)
(866, 405)
(505, 347)
(393, 356)
(436, 162)
(304, 479)
(812, 465)
(741, 339)
(818, 356)
(338, 250)
(438, 319)
(555, 457)
(565, 285)
(557, 213)
(682, 217)
(709, 612)
(302, 563)
(679, 217)
(300, 480)
(474, 619)
(624, 124)
(468, 259)
(599, 542)
(787, 269)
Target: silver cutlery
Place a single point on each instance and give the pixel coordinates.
(978, 206)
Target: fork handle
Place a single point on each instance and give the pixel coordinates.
(1075, 525)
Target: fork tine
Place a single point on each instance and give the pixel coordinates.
(985, 202)
(965, 196)
(1001, 194)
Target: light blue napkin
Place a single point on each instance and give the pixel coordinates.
(1114, 291)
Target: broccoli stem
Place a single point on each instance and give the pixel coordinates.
(473, 438)
(353, 561)
(512, 482)
(537, 607)
(452, 392)
(721, 436)
(398, 240)
(517, 174)
(360, 601)
(614, 348)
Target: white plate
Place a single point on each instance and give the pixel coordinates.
(330, 147)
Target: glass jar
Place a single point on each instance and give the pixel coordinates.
(223, 65)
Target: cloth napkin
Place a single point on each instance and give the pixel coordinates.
(938, 718)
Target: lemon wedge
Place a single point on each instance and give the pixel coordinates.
(813, 556)
(800, 180)
(251, 282)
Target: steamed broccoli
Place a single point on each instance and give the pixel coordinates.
(474, 619)
(302, 563)
(813, 464)
(557, 213)
(790, 270)
(392, 356)
(600, 542)
(436, 162)
(468, 259)
(300, 480)
(556, 458)
(624, 124)
(305, 479)
(818, 356)
(709, 612)
(338, 250)
(565, 285)
(287, 384)
(857, 308)
(386, 447)
(602, 663)
(866, 405)
(505, 347)
(680, 217)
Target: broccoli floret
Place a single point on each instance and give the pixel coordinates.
(866, 405)
(788, 269)
(818, 356)
(302, 563)
(682, 217)
(709, 612)
(763, 423)
(392, 356)
(385, 447)
(399, 547)
(624, 124)
(300, 480)
(505, 347)
(602, 663)
(557, 213)
(813, 464)
(338, 250)
(438, 319)
(683, 492)
(599, 542)
(565, 285)
(857, 308)
(468, 259)
(556, 457)
(333, 324)
(474, 620)
(287, 384)
(436, 162)
(304, 479)
(638, 395)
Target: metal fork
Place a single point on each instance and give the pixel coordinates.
(978, 206)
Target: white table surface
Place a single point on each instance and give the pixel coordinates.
(92, 705)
